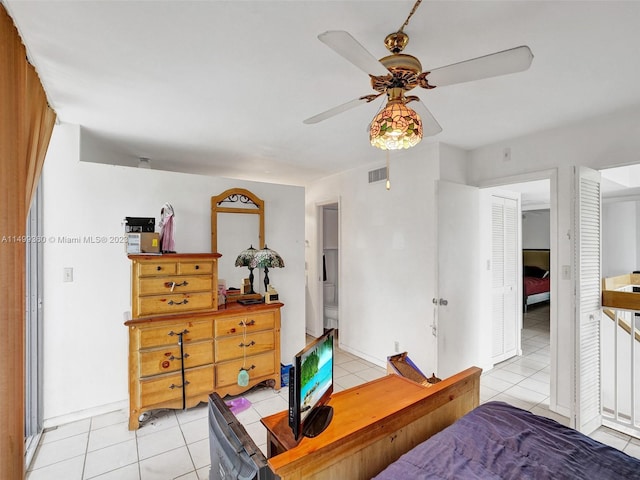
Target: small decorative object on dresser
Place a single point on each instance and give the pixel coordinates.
(271, 296)
(182, 347)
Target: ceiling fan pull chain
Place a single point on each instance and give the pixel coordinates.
(388, 181)
(413, 10)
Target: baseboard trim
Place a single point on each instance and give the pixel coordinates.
(83, 414)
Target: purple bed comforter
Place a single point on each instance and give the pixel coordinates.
(499, 441)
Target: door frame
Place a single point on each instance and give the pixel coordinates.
(33, 408)
(552, 176)
(318, 325)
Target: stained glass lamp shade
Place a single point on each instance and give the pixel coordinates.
(267, 258)
(247, 258)
(395, 127)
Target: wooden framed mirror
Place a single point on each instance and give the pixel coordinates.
(237, 222)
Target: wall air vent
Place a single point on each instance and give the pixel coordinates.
(378, 175)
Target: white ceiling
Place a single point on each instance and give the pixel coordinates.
(222, 88)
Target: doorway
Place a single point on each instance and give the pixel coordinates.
(536, 367)
(330, 266)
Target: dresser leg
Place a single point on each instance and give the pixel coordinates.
(134, 423)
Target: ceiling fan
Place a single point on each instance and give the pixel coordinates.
(396, 125)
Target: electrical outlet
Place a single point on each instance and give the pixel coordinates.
(396, 346)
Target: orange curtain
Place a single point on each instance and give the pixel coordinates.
(26, 123)
(39, 120)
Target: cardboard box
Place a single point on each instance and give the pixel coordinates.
(143, 242)
(402, 365)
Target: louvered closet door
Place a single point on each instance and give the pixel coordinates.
(588, 300)
(504, 276)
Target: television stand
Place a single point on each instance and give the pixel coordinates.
(373, 424)
(318, 420)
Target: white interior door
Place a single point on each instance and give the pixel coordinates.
(459, 319)
(505, 276)
(586, 384)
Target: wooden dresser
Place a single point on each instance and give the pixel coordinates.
(182, 347)
(167, 284)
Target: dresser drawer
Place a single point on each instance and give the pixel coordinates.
(254, 322)
(167, 333)
(177, 284)
(195, 267)
(157, 268)
(166, 360)
(227, 373)
(229, 348)
(169, 387)
(174, 303)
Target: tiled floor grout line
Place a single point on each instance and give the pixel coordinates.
(138, 455)
(86, 449)
(195, 468)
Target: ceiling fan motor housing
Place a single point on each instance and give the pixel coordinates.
(404, 71)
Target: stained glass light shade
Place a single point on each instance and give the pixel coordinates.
(395, 127)
(247, 258)
(267, 258)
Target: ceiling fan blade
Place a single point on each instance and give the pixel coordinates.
(430, 125)
(340, 108)
(501, 63)
(345, 45)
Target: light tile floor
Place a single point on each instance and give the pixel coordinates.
(175, 444)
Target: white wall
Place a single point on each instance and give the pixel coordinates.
(85, 341)
(619, 238)
(607, 141)
(536, 229)
(388, 256)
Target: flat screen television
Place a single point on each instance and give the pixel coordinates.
(311, 386)
(234, 455)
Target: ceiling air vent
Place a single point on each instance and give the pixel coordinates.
(378, 175)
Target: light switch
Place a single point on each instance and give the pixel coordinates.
(68, 274)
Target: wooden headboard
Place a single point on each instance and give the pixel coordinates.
(537, 257)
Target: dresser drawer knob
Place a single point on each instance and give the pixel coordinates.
(158, 268)
(250, 344)
(248, 368)
(172, 285)
(172, 333)
(183, 302)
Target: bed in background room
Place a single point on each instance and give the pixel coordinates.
(536, 281)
